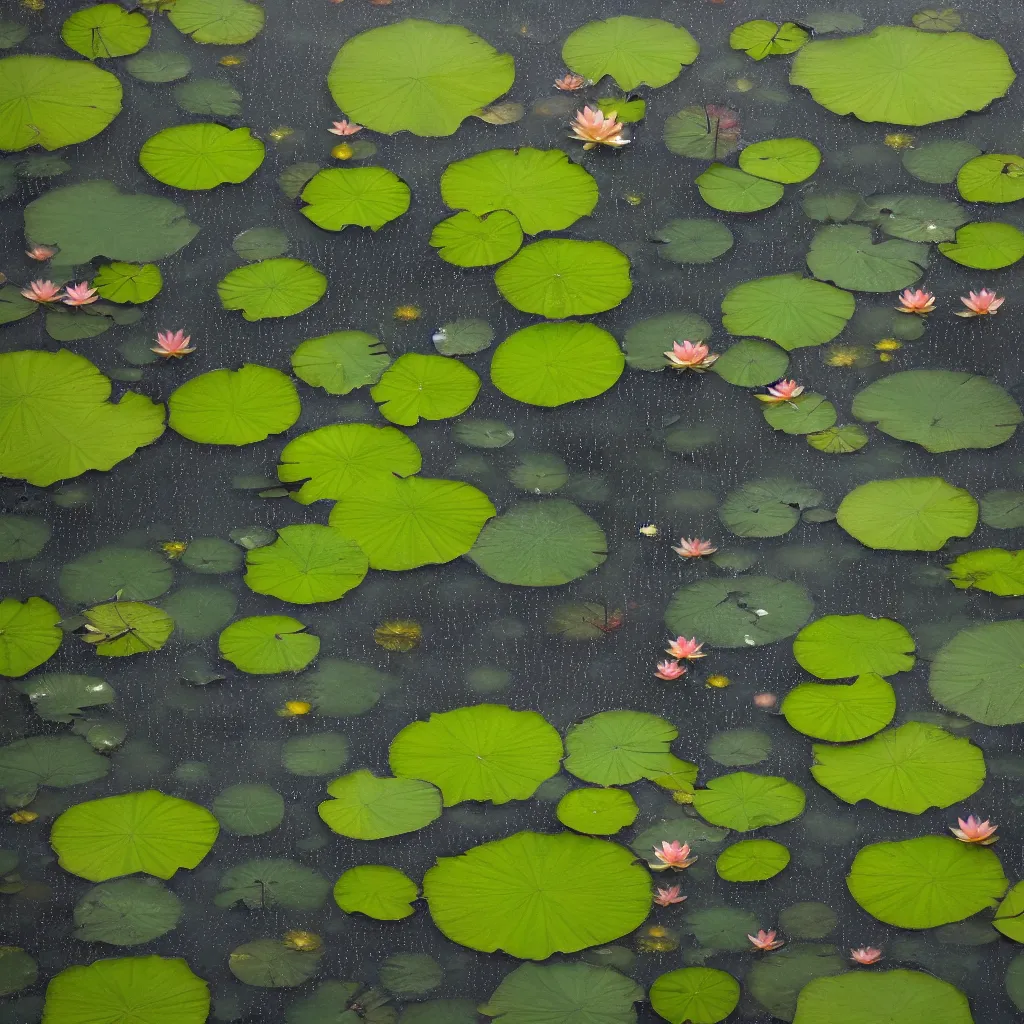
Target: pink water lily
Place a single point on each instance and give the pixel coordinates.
(570, 82)
(592, 128)
(728, 120)
(765, 700)
(866, 955)
(765, 940)
(669, 670)
(42, 291)
(916, 301)
(665, 897)
(172, 345)
(674, 855)
(40, 252)
(79, 294)
(690, 355)
(345, 128)
(983, 303)
(784, 391)
(683, 648)
(694, 548)
(973, 830)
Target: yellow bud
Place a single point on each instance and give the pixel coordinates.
(292, 708)
(23, 817)
(342, 151)
(718, 682)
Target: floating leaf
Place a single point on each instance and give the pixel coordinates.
(466, 240)
(463, 337)
(907, 514)
(340, 362)
(767, 508)
(410, 975)
(224, 22)
(376, 890)
(752, 860)
(145, 831)
(805, 414)
(601, 812)
(693, 241)
(106, 30)
(699, 132)
(428, 387)
(270, 963)
(915, 218)
(552, 364)
(417, 76)
(128, 282)
(321, 753)
(368, 197)
(340, 688)
(841, 713)
(840, 440)
(122, 628)
(839, 646)
(1009, 916)
(267, 644)
(744, 801)
(29, 634)
(249, 809)
(939, 162)
(734, 191)
(367, 807)
(986, 245)
(158, 66)
(134, 573)
(267, 884)
(1002, 510)
(750, 364)
(201, 156)
(209, 97)
(279, 287)
(833, 205)
(57, 761)
(61, 696)
(648, 340)
(994, 570)
(846, 255)
(760, 39)
(615, 748)
(992, 178)
(783, 160)
(902, 75)
(211, 556)
(17, 969)
(737, 747)
(127, 912)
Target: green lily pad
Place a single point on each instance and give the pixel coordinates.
(485, 752)
(562, 277)
(559, 893)
(155, 989)
(269, 884)
(914, 218)
(648, 340)
(57, 420)
(597, 812)
(376, 890)
(752, 860)
(695, 995)
(1009, 916)
(406, 523)
(767, 508)
(29, 634)
(415, 386)
(134, 573)
(201, 156)
(128, 282)
(734, 191)
(463, 337)
(985, 245)
(61, 696)
(320, 753)
(367, 807)
(466, 240)
(122, 628)
(939, 162)
(783, 160)
(552, 364)
(992, 178)
(831, 205)
(22, 537)
(744, 801)
(839, 440)
(760, 39)
(1000, 509)
(907, 514)
(902, 75)
(368, 197)
(806, 414)
(234, 407)
(271, 288)
(120, 835)
(342, 457)
(721, 928)
(340, 362)
(846, 255)
(540, 544)
(96, 218)
(212, 556)
(126, 912)
(693, 241)
(106, 30)
(633, 51)
(615, 748)
(269, 963)
(158, 66)
(18, 970)
(789, 309)
(410, 975)
(909, 769)
(737, 747)
(841, 713)
(210, 97)
(978, 673)
(542, 188)
(839, 646)
(200, 611)
(751, 364)
(57, 761)
(338, 688)
(697, 132)
(223, 22)
(249, 809)
(267, 644)
(994, 570)
(417, 76)
(925, 882)
(51, 102)
(941, 410)
(306, 564)
(579, 992)
(857, 997)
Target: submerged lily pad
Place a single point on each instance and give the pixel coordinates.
(270, 963)
(133, 573)
(841, 713)
(648, 340)
(702, 133)
(22, 537)
(938, 162)
(376, 890)
(57, 761)
(767, 508)
(267, 884)
(839, 646)
(693, 241)
(126, 912)
(367, 807)
(61, 696)
(249, 809)
(744, 801)
(418, 387)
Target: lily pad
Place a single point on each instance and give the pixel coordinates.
(846, 255)
(122, 628)
(839, 646)
(417, 76)
(735, 748)
(126, 912)
(223, 22)
(994, 570)
(925, 882)
(693, 241)
(914, 218)
(367, 197)
(268, 644)
(29, 634)
(57, 761)
(338, 688)
(268, 884)
(752, 860)
(133, 573)
(340, 362)
(210, 97)
(485, 752)
(158, 66)
(597, 812)
(783, 160)
(695, 995)
(463, 337)
(270, 963)
(18, 970)
(367, 807)
(1009, 916)
(272, 288)
(201, 156)
(841, 713)
(744, 801)
(615, 748)
(562, 277)
(985, 245)
(319, 753)
(61, 696)
(234, 407)
(648, 340)
(1000, 509)
(376, 890)
(418, 387)
(938, 162)
(552, 364)
(120, 835)
(760, 39)
(466, 240)
(249, 809)
(907, 514)
(22, 537)
(734, 191)
(702, 133)
(806, 414)
(902, 75)
(992, 178)
(106, 30)
(751, 364)
(128, 282)
(767, 508)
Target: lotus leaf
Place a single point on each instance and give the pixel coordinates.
(270, 288)
(340, 362)
(721, 928)
(126, 912)
(249, 809)
(57, 761)
(791, 310)
(128, 282)
(561, 277)
(334, 460)
(368, 197)
(463, 337)
(122, 628)
(340, 688)
(693, 241)
(939, 162)
(600, 812)
(987, 245)
(366, 807)
(268, 884)
(806, 414)
(61, 696)
(200, 611)
(752, 860)
(760, 39)
(541, 188)
(1002, 510)
(153, 989)
(902, 75)
(159, 66)
(839, 646)
(211, 97)
(737, 747)
(134, 573)
(909, 769)
(319, 753)
(485, 752)
(751, 364)
(767, 508)
(211, 556)
(57, 420)
(270, 963)
(914, 218)
(106, 30)
(532, 895)
(201, 156)
(994, 570)
(376, 890)
(224, 22)
(145, 831)
(840, 440)
(466, 240)
(552, 364)
(417, 76)
(17, 970)
(695, 995)
(907, 514)
(541, 544)
(29, 634)
(992, 178)
(410, 975)
(615, 748)
(783, 160)
(1009, 916)
(415, 386)
(268, 644)
(633, 51)
(698, 132)
(841, 713)
(846, 255)
(22, 537)
(734, 191)
(744, 801)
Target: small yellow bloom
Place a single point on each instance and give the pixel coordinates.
(633, 198)
(399, 635)
(306, 942)
(899, 140)
(718, 682)
(293, 708)
(657, 939)
(231, 60)
(174, 549)
(23, 817)
(888, 345)
(281, 132)
(741, 85)
(650, 530)
(682, 796)
(343, 151)
(34, 5)
(842, 355)
(408, 313)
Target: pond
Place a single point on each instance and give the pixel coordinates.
(461, 464)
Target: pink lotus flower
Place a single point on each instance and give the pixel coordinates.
(983, 303)
(866, 955)
(974, 831)
(683, 648)
(728, 120)
(172, 345)
(765, 940)
(765, 700)
(42, 291)
(669, 670)
(40, 252)
(570, 82)
(592, 128)
(689, 355)
(79, 294)
(919, 301)
(673, 855)
(694, 548)
(784, 391)
(667, 896)
(345, 128)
